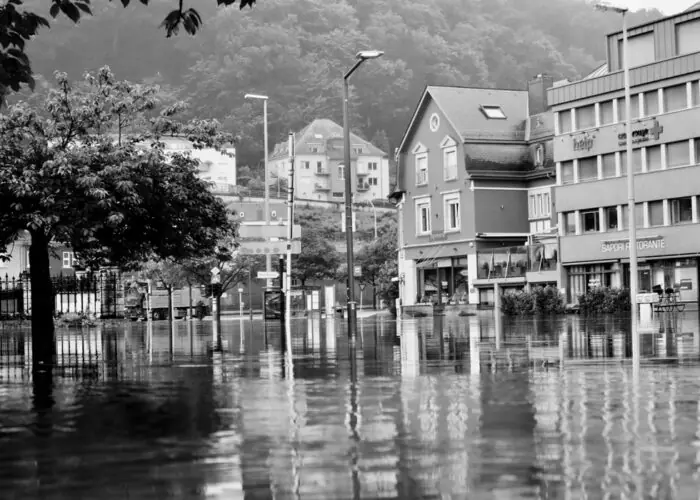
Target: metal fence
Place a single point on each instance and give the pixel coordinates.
(93, 294)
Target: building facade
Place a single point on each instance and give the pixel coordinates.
(319, 166)
(590, 156)
(217, 167)
(474, 195)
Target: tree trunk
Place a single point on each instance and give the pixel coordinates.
(43, 341)
(374, 294)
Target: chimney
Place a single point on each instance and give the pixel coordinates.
(537, 93)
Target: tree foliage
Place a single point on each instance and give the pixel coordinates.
(378, 259)
(295, 51)
(89, 170)
(319, 258)
(19, 25)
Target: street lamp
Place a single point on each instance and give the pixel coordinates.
(268, 257)
(631, 222)
(361, 56)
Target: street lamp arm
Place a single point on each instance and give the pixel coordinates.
(352, 70)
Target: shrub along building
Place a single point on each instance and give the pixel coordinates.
(589, 151)
(474, 180)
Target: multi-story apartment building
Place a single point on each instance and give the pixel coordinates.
(474, 180)
(319, 166)
(589, 151)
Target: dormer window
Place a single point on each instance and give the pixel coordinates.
(493, 112)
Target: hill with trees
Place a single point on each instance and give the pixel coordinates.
(295, 51)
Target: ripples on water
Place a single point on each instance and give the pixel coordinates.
(418, 413)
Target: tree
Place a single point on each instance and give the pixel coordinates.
(18, 26)
(65, 176)
(169, 273)
(374, 257)
(318, 259)
(233, 267)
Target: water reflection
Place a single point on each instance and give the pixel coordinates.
(430, 408)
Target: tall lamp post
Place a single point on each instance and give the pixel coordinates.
(362, 56)
(631, 219)
(268, 257)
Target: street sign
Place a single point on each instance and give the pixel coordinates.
(275, 230)
(648, 298)
(268, 247)
(265, 275)
(358, 271)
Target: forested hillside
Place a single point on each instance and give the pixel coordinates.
(295, 51)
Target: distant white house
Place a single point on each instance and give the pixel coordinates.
(320, 169)
(215, 166)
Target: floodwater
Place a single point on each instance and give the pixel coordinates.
(445, 407)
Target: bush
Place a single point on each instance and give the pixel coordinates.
(604, 300)
(540, 300)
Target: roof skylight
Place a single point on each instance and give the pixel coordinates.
(493, 112)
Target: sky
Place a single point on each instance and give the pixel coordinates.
(666, 6)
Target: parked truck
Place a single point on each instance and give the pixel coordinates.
(136, 301)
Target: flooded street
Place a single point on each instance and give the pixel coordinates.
(445, 407)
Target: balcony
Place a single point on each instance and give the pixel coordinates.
(361, 169)
(321, 187)
(363, 186)
(542, 257)
(323, 171)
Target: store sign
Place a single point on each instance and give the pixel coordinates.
(648, 243)
(583, 142)
(644, 134)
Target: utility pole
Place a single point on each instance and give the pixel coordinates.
(290, 229)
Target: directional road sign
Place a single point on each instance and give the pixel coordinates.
(265, 275)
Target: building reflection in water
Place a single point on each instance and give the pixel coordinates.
(399, 415)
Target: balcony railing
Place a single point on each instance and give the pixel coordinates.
(514, 262)
(321, 187)
(323, 171)
(363, 187)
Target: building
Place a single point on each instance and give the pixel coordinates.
(319, 171)
(218, 167)
(589, 151)
(474, 179)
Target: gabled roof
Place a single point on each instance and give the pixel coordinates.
(318, 132)
(462, 106)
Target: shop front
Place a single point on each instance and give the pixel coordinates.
(443, 281)
(667, 258)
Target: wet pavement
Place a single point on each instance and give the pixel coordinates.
(444, 407)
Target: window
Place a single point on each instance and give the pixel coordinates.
(609, 169)
(634, 104)
(610, 214)
(341, 171)
(641, 50)
(681, 210)
(638, 216)
(588, 168)
(651, 103)
(585, 117)
(546, 207)
(636, 161)
(319, 167)
(306, 165)
(589, 221)
(372, 181)
(570, 222)
(675, 98)
(606, 113)
(653, 158)
(533, 206)
(357, 150)
(423, 217)
(68, 260)
(567, 172)
(452, 219)
(372, 165)
(565, 121)
(539, 155)
(493, 112)
(688, 37)
(695, 94)
(450, 164)
(677, 154)
(656, 213)
(540, 206)
(421, 170)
